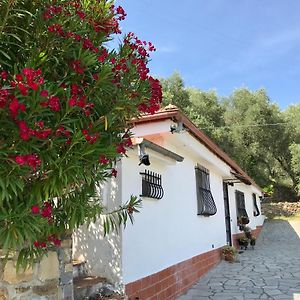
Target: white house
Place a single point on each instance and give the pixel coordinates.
(193, 194)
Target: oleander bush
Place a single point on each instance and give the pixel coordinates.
(66, 96)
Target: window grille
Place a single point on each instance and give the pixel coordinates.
(256, 211)
(152, 185)
(205, 200)
(241, 208)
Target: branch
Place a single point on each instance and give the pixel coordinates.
(113, 220)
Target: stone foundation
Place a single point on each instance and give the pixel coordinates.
(50, 279)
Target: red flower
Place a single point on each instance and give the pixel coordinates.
(85, 131)
(57, 242)
(73, 101)
(103, 160)
(4, 75)
(95, 76)
(44, 93)
(113, 60)
(35, 209)
(20, 160)
(40, 124)
(54, 103)
(43, 245)
(33, 85)
(121, 149)
(33, 161)
(114, 172)
(36, 244)
(47, 204)
(25, 136)
(14, 107)
(51, 237)
(22, 107)
(76, 66)
(47, 212)
(67, 133)
(103, 56)
(23, 89)
(19, 77)
(81, 14)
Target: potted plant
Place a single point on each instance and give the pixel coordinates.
(253, 241)
(244, 220)
(247, 231)
(229, 253)
(243, 242)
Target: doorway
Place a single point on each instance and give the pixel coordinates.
(227, 214)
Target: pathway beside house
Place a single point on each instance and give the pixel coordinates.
(270, 271)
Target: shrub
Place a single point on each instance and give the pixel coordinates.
(65, 99)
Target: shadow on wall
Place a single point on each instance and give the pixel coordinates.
(102, 255)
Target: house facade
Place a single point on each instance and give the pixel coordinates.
(193, 196)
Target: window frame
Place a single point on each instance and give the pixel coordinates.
(256, 211)
(152, 185)
(241, 211)
(206, 205)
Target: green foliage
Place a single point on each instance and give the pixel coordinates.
(249, 127)
(261, 149)
(207, 112)
(229, 250)
(113, 220)
(295, 162)
(174, 92)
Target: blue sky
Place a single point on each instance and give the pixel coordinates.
(223, 44)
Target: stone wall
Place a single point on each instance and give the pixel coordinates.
(50, 279)
(285, 209)
(41, 280)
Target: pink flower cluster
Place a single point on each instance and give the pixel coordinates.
(29, 79)
(52, 240)
(79, 99)
(91, 138)
(103, 160)
(106, 25)
(53, 102)
(31, 160)
(77, 67)
(25, 132)
(45, 212)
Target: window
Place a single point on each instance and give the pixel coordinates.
(242, 215)
(256, 211)
(205, 200)
(152, 185)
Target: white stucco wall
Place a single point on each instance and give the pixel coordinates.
(248, 190)
(169, 231)
(166, 231)
(102, 254)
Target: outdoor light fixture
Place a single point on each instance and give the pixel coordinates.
(177, 128)
(144, 157)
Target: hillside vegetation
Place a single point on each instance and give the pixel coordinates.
(247, 125)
